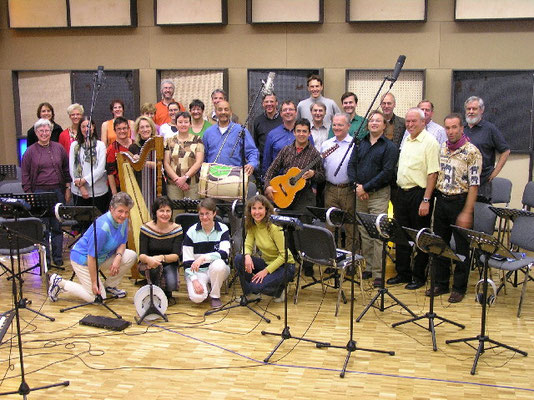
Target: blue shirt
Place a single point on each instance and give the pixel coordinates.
(231, 152)
(277, 139)
(109, 236)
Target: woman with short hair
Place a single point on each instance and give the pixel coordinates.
(46, 111)
(107, 132)
(75, 112)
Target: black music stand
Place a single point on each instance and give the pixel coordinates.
(435, 246)
(186, 204)
(490, 246)
(384, 229)
(24, 389)
(286, 333)
(8, 172)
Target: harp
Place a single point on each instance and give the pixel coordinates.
(141, 177)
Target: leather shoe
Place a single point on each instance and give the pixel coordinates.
(438, 291)
(308, 271)
(377, 282)
(456, 297)
(414, 285)
(396, 280)
(367, 274)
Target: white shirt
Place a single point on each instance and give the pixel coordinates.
(332, 161)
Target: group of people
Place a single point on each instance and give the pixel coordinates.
(204, 252)
(409, 161)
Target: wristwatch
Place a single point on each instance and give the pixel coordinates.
(426, 200)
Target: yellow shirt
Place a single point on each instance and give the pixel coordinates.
(418, 158)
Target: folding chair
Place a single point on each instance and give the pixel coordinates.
(501, 192)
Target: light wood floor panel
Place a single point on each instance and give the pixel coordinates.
(220, 357)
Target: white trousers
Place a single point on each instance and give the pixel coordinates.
(217, 272)
(84, 289)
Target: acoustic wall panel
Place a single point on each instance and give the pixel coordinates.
(87, 13)
(284, 11)
(408, 90)
(386, 10)
(37, 13)
(493, 9)
(187, 12)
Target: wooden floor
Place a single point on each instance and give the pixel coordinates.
(221, 356)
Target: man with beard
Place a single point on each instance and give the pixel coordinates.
(489, 139)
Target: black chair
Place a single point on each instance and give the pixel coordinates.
(317, 245)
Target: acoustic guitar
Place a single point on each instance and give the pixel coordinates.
(288, 185)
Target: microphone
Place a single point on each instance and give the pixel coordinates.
(17, 204)
(397, 70)
(287, 222)
(100, 76)
(268, 87)
(77, 213)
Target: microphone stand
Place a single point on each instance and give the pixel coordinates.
(244, 301)
(99, 300)
(351, 344)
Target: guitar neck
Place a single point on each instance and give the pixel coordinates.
(310, 165)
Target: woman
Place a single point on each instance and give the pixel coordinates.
(81, 152)
(122, 143)
(46, 111)
(184, 155)
(144, 129)
(110, 251)
(75, 112)
(149, 110)
(45, 168)
(205, 253)
(160, 246)
(108, 134)
(263, 274)
(170, 129)
(198, 123)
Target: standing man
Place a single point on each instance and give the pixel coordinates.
(338, 191)
(319, 130)
(162, 111)
(216, 96)
(433, 128)
(456, 194)
(395, 124)
(416, 177)
(349, 101)
(315, 88)
(281, 136)
(222, 143)
(489, 139)
(372, 168)
(266, 122)
(298, 154)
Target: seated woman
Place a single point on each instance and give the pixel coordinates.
(80, 169)
(160, 245)
(263, 275)
(110, 251)
(205, 254)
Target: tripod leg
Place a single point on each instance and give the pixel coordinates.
(479, 352)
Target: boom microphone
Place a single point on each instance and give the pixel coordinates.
(100, 76)
(397, 70)
(268, 86)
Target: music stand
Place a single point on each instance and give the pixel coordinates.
(185, 204)
(488, 245)
(286, 333)
(384, 229)
(8, 172)
(435, 246)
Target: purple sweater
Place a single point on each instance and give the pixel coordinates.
(45, 167)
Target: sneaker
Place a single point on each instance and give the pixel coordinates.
(116, 292)
(54, 289)
(216, 303)
(280, 298)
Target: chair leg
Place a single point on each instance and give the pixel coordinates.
(297, 289)
(523, 290)
(340, 290)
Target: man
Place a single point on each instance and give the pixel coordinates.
(162, 111)
(315, 88)
(281, 136)
(168, 129)
(299, 153)
(269, 119)
(433, 128)
(372, 168)
(456, 194)
(216, 96)
(489, 139)
(338, 191)
(222, 143)
(349, 101)
(416, 178)
(319, 130)
(395, 124)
